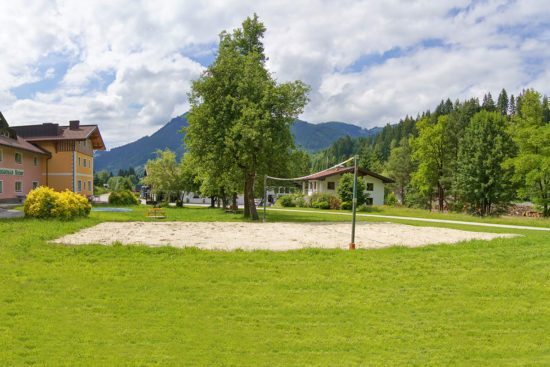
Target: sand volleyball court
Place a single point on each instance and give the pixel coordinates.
(268, 236)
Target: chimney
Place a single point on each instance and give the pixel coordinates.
(74, 124)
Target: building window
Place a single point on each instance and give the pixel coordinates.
(314, 185)
(370, 186)
(369, 201)
(1, 187)
(18, 158)
(85, 162)
(79, 187)
(34, 184)
(18, 186)
(79, 161)
(90, 185)
(331, 185)
(310, 185)
(35, 161)
(1, 155)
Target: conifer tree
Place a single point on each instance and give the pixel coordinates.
(502, 102)
(512, 106)
(488, 103)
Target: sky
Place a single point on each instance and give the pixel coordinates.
(127, 65)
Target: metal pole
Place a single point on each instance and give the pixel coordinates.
(354, 204)
(265, 196)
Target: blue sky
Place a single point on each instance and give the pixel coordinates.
(129, 68)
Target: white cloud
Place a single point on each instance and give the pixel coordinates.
(130, 66)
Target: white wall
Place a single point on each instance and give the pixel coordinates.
(377, 194)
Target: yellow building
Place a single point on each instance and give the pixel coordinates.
(71, 165)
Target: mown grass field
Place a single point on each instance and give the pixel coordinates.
(477, 303)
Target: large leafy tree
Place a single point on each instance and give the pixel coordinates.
(481, 180)
(240, 117)
(400, 167)
(164, 173)
(531, 133)
(433, 157)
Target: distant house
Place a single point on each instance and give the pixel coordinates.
(327, 182)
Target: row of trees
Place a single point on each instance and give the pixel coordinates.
(124, 180)
(466, 155)
(478, 158)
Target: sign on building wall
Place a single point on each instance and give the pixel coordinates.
(11, 172)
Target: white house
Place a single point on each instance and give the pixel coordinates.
(327, 182)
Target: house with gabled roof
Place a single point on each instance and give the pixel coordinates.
(327, 181)
(60, 157)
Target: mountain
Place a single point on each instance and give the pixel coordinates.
(137, 153)
(314, 137)
(311, 137)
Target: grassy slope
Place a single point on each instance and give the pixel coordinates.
(484, 303)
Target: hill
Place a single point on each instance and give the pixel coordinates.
(311, 137)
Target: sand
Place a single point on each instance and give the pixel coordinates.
(268, 236)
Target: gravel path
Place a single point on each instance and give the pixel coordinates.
(268, 236)
(478, 224)
(8, 213)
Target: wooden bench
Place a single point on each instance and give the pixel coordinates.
(156, 213)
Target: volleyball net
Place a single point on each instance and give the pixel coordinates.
(272, 179)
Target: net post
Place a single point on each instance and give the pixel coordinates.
(354, 204)
(265, 197)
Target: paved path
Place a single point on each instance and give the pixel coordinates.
(6, 213)
(417, 219)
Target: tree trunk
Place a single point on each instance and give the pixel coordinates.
(246, 201)
(234, 205)
(440, 196)
(212, 201)
(249, 197)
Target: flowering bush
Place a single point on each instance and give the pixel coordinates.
(44, 202)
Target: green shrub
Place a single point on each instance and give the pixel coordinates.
(286, 201)
(301, 202)
(346, 205)
(124, 197)
(321, 205)
(364, 208)
(45, 202)
(98, 190)
(318, 200)
(391, 199)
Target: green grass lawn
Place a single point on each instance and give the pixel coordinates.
(478, 303)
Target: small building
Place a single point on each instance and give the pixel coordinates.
(60, 157)
(327, 182)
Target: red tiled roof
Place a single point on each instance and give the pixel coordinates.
(20, 143)
(340, 170)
